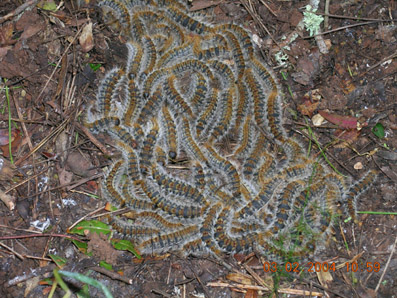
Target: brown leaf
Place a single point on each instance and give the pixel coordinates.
(202, 4)
(310, 103)
(7, 169)
(346, 136)
(80, 165)
(6, 32)
(308, 107)
(251, 293)
(86, 38)
(92, 186)
(239, 278)
(4, 141)
(65, 177)
(347, 122)
(8, 200)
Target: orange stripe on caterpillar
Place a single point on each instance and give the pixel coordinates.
(225, 166)
(107, 90)
(177, 187)
(132, 103)
(134, 59)
(103, 123)
(170, 240)
(123, 15)
(151, 107)
(174, 97)
(206, 115)
(243, 101)
(356, 190)
(206, 229)
(200, 92)
(110, 182)
(186, 21)
(237, 53)
(190, 144)
(150, 55)
(246, 139)
(192, 64)
(132, 162)
(153, 79)
(242, 35)
(225, 118)
(146, 153)
(175, 54)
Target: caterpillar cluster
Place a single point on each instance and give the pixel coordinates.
(198, 93)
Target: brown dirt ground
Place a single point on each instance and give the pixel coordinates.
(357, 77)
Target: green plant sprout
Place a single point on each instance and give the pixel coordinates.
(80, 277)
(9, 121)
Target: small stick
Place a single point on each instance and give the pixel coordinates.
(11, 250)
(59, 62)
(112, 275)
(93, 139)
(17, 11)
(387, 265)
(38, 235)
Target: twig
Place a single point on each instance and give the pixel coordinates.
(258, 279)
(26, 180)
(160, 292)
(322, 287)
(112, 275)
(260, 288)
(268, 7)
(36, 272)
(64, 185)
(11, 250)
(59, 62)
(93, 139)
(392, 56)
(326, 14)
(84, 217)
(48, 137)
(17, 11)
(341, 28)
(387, 265)
(251, 10)
(328, 153)
(322, 47)
(38, 235)
(352, 18)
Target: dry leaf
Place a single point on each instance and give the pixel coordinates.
(65, 177)
(251, 293)
(346, 136)
(239, 278)
(358, 166)
(86, 38)
(202, 4)
(317, 120)
(347, 122)
(7, 169)
(310, 103)
(324, 277)
(6, 32)
(80, 165)
(8, 200)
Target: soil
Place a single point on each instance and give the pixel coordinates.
(49, 79)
